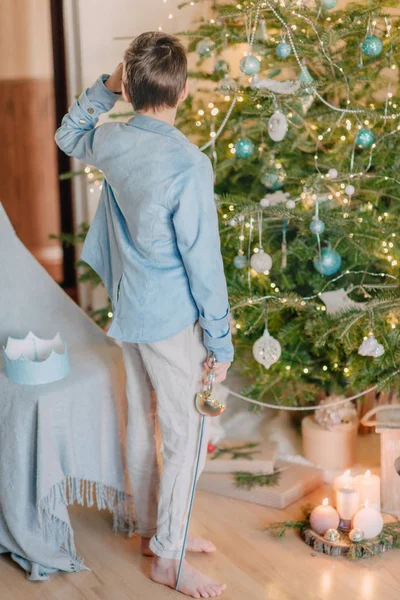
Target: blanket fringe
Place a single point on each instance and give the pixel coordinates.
(73, 490)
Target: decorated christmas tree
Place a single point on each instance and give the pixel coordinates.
(297, 106)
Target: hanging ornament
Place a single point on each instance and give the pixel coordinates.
(338, 301)
(290, 204)
(305, 75)
(350, 190)
(244, 148)
(284, 245)
(283, 49)
(250, 65)
(260, 261)
(365, 138)
(262, 33)
(205, 47)
(371, 347)
(277, 126)
(329, 263)
(329, 4)
(221, 67)
(333, 173)
(272, 177)
(227, 84)
(267, 349)
(316, 226)
(240, 261)
(372, 46)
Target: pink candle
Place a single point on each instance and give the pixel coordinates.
(324, 517)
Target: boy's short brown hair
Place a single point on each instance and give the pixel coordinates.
(155, 71)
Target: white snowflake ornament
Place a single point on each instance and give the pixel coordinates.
(267, 350)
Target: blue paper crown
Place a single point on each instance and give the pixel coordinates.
(32, 360)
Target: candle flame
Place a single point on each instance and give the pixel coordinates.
(325, 502)
(367, 474)
(347, 473)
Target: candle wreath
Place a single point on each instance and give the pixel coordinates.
(388, 539)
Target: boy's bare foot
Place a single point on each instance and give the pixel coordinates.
(192, 582)
(192, 545)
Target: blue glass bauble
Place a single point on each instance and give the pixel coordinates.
(240, 261)
(330, 262)
(244, 148)
(250, 65)
(317, 227)
(283, 50)
(272, 178)
(372, 46)
(204, 47)
(365, 138)
(221, 67)
(329, 3)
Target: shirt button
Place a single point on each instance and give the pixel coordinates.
(90, 111)
(82, 121)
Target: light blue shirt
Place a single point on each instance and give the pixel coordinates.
(154, 240)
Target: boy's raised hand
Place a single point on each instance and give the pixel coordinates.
(114, 82)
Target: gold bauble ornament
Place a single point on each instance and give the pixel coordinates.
(205, 403)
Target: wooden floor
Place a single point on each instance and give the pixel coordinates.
(254, 565)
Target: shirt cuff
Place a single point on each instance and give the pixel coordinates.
(98, 99)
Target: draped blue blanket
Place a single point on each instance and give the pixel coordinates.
(61, 442)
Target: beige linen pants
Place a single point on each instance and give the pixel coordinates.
(172, 369)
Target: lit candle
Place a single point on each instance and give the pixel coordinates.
(370, 489)
(324, 517)
(342, 481)
(369, 520)
(347, 504)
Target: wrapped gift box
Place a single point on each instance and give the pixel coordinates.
(261, 460)
(295, 482)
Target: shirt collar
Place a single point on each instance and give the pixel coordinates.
(151, 124)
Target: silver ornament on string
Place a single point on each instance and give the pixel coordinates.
(261, 261)
(371, 347)
(356, 535)
(267, 350)
(277, 126)
(332, 535)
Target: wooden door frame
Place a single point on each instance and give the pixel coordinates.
(63, 161)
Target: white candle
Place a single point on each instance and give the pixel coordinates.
(342, 481)
(370, 489)
(347, 502)
(324, 517)
(369, 520)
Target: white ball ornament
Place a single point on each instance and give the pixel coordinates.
(350, 190)
(267, 350)
(290, 204)
(261, 261)
(277, 126)
(333, 173)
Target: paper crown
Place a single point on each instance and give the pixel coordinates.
(32, 361)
